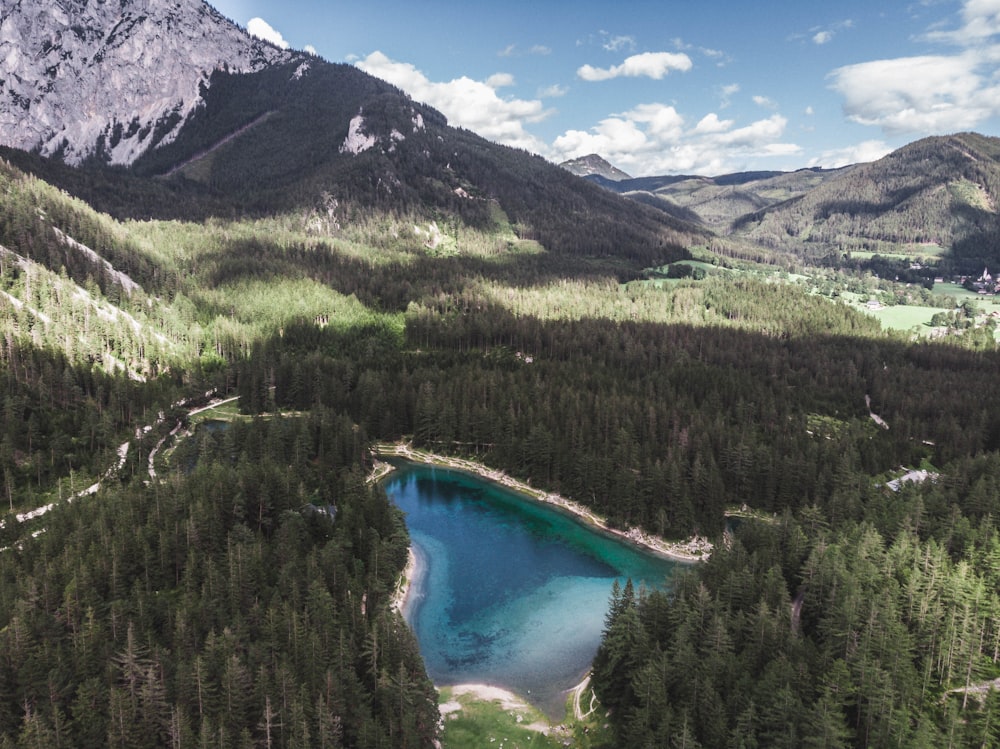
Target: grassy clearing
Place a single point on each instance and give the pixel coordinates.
(228, 411)
(473, 722)
(826, 427)
(905, 317)
(481, 723)
(962, 294)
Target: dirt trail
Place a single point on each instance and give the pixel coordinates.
(577, 693)
(122, 452)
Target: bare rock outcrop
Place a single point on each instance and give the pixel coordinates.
(112, 78)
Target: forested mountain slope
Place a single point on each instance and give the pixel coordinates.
(936, 192)
(718, 201)
(933, 199)
(334, 257)
(657, 404)
(256, 129)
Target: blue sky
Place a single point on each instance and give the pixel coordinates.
(671, 87)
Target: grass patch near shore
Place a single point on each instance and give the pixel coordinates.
(481, 723)
(477, 722)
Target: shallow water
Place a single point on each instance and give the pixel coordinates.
(513, 592)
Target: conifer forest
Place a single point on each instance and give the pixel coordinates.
(167, 584)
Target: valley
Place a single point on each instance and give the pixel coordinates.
(652, 353)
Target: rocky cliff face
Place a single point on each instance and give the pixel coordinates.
(111, 78)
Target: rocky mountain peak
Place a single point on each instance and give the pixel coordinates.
(112, 78)
(592, 164)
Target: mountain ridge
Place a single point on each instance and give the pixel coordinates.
(246, 127)
(109, 81)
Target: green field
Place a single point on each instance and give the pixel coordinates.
(961, 294)
(904, 317)
(905, 252)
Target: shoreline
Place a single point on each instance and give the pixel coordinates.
(508, 701)
(409, 586)
(693, 550)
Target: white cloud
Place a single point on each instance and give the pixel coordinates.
(618, 43)
(500, 80)
(553, 92)
(765, 102)
(655, 139)
(512, 50)
(927, 94)
(823, 35)
(869, 150)
(755, 135)
(310, 49)
(466, 103)
(711, 123)
(726, 94)
(718, 55)
(930, 94)
(661, 121)
(981, 20)
(261, 29)
(653, 65)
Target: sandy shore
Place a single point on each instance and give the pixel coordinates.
(409, 588)
(694, 549)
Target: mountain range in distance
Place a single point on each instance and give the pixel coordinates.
(938, 193)
(187, 212)
(200, 119)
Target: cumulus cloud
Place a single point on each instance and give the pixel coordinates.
(711, 123)
(466, 103)
(822, 37)
(927, 94)
(980, 22)
(765, 102)
(261, 29)
(930, 94)
(653, 65)
(662, 122)
(310, 49)
(869, 150)
(655, 139)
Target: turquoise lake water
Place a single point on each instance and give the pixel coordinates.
(513, 592)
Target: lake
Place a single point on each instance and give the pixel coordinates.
(512, 592)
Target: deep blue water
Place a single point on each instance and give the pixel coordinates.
(513, 591)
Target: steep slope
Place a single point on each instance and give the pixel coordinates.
(111, 79)
(329, 138)
(228, 125)
(937, 193)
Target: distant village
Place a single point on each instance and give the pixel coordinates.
(985, 284)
